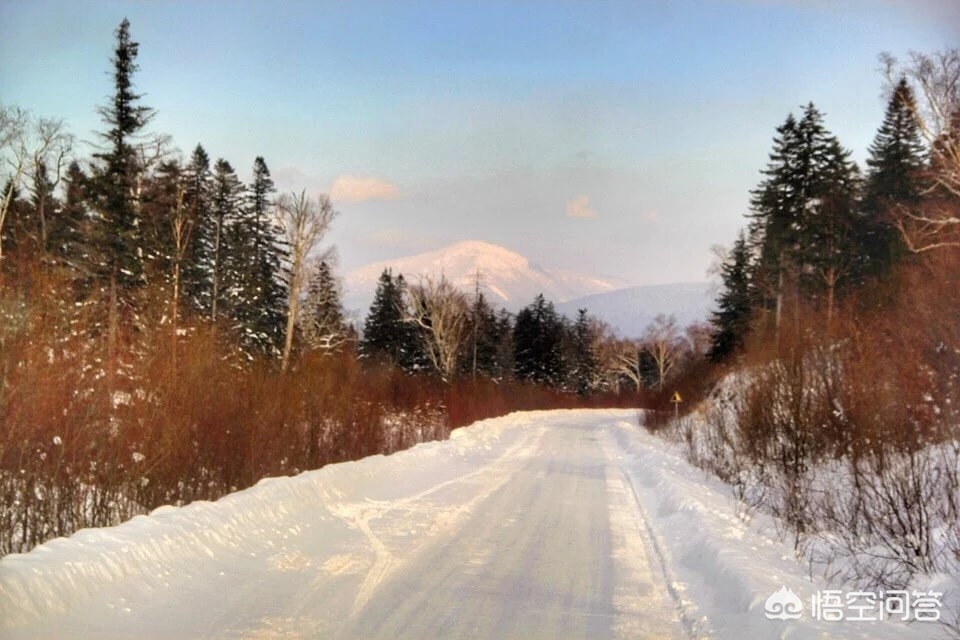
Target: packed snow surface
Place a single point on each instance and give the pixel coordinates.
(567, 524)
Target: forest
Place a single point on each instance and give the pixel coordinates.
(170, 333)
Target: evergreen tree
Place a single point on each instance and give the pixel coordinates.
(775, 214)
(265, 293)
(895, 172)
(586, 369)
(386, 333)
(804, 215)
(197, 197)
(833, 229)
(161, 196)
(538, 344)
(489, 332)
(731, 320)
(67, 239)
(118, 233)
(221, 259)
(322, 322)
(648, 369)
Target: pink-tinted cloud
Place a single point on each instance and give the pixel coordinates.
(580, 207)
(348, 188)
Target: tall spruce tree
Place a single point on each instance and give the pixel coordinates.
(118, 232)
(197, 197)
(775, 217)
(386, 334)
(488, 332)
(67, 239)
(538, 344)
(731, 320)
(220, 245)
(266, 293)
(804, 217)
(894, 178)
(585, 373)
(322, 322)
(118, 254)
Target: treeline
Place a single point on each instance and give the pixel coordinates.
(432, 326)
(837, 340)
(822, 234)
(170, 333)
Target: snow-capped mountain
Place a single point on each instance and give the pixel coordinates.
(631, 310)
(507, 278)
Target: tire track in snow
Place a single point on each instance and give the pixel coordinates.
(694, 627)
(385, 562)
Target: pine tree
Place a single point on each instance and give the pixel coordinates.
(385, 332)
(538, 344)
(804, 214)
(731, 320)
(197, 196)
(117, 245)
(322, 322)
(894, 178)
(118, 232)
(266, 294)
(67, 239)
(490, 330)
(161, 193)
(221, 264)
(585, 371)
(775, 214)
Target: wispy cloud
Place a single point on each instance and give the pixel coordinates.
(348, 188)
(580, 207)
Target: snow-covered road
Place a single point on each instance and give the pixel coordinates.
(568, 524)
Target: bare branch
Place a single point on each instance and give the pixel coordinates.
(443, 312)
(303, 222)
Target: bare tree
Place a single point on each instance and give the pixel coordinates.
(623, 360)
(183, 221)
(443, 312)
(50, 152)
(664, 343)
(303, 222)
(14, 127)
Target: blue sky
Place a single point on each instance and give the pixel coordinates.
(613, 138)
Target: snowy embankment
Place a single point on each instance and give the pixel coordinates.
(544, 524)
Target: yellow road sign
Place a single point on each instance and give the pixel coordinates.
(676, 397)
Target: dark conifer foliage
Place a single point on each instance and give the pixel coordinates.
(323, 324)
(894, 179)
(386, 334)
(265, 294)
(585, 372)
(67, 239)
(805, 221)
(118, 231)
(731, 320)
(220, 240)
(538, 337)
(489, 333)
(197, 198)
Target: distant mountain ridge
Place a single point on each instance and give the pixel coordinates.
(630, 310)
(511, 281)
(507, 278)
